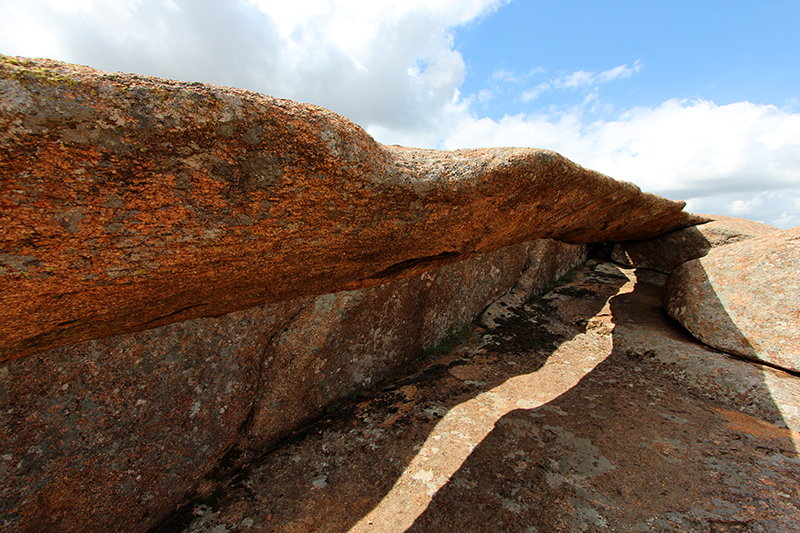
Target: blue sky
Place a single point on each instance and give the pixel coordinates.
(698, 101)
(722, 51)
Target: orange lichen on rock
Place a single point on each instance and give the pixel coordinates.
(130, 202)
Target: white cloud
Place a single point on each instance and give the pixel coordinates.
(484, 96)
(740, 159)
(621, 71)
(389, 63)
(779, 207)
(391, 66)
(575, 80)
(503, 75)
(533, 94)
(582, 78)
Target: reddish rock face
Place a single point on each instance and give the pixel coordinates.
(130, 202)
(743, 298)
(610, 418)
(668, 252)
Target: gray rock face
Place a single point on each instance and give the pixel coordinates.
(112, 434)
(744, 298)
(667, 252)
(108, 434)
(344, 343)
(587, 410)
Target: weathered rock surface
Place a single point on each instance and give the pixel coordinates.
(344, 343)
(107, 435)
(644, 331)
(532, 281)
(667, 252)
(560, 419)
(744, 298)
(112, 434)
(189, 274)
(130, 202)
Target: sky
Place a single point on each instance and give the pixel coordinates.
(693, 100)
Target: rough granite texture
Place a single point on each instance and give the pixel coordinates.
(667, 252)
(569, 416)
(345, 343)
(113, 434)
(743, 298)
(647, 333)
(109, 434)
(130, 202)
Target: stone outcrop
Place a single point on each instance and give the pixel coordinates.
(111, 434)
(190, 274)
(351, 340)
(130, 202)
(667, 252)
(608, 417)
(744, 298)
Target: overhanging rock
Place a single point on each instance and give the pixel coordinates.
(130, 202)
(112, 434)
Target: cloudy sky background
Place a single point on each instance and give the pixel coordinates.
(694, 100)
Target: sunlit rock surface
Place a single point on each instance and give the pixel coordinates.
(585, 410)
(112, 434)
(190, 274)
(131, 202)
(743, 298)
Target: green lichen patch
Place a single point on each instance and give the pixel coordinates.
(26, 71)
(456, 336)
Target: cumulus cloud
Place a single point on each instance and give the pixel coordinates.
(392, 67)
(386, 63)
(740, 159)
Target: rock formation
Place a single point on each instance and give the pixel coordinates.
(190, 274)
(667, 252)
(131, 202)
(744, 298)
(586, 410)
(113, 433)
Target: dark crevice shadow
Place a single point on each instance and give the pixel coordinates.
(333, 473)
(663, 253)
(419, 263)
(628, 449)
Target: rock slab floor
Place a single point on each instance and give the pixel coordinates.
(558, 420)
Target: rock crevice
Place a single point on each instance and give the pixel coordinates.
(153, 412)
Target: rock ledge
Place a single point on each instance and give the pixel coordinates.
(130, 202)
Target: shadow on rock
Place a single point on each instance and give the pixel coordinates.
(630, 448)
(742, 298)
(574, 415)
(379, 460)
